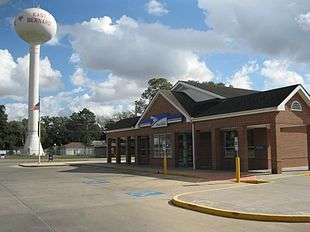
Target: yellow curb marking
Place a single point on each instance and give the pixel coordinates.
(236, 214)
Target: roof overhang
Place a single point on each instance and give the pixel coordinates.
(235, 114)
(122, 129)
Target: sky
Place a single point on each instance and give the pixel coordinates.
(105, 50)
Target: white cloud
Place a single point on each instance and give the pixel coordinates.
(303, 21)
(79, 77)
(16, 111)
(67, 102)
(136, 51)
(263, 26)
(278, 74)
(241, 79)
(14, 76)
(155, 7)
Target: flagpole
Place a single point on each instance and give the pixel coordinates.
(39, 131)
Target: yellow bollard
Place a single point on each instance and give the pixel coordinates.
(165, 171)
(237, 161)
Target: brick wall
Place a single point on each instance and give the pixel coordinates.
(292, 139)
(161, 105)
(287, 137)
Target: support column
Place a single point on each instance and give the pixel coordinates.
(243, 148)
(197, 138)
(128, 152)
(118, 150)
(269, 145)
(215, 147)
(194, 141)
(109, 151)
(136, 150)
(276, 164)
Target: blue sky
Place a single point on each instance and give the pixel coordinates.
(105, 50)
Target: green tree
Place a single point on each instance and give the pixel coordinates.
(82, 127)
(108, 122)
(54, 131)
(154, 85)
(16, 134)
(3, 127)
(209, 84)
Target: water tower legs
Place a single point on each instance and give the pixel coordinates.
(33, 145)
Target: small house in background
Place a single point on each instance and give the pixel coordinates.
(76, 148)
(100, 148)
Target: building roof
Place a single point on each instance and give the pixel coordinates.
(125, 123)
(74, 145)
(226, 92)
(254, 101)
(98, 143)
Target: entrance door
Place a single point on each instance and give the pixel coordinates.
(144, 150)
(204, 157)
(185, 154)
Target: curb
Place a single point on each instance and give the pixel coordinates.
(239, 214)
(36, 165)
(56, 163)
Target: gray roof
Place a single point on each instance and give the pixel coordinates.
(253, 100)
(223, 91)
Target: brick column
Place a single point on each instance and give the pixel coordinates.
(128, 152)
(276, 165)
(197, 150)
(118, 150)
(269, 145)
(243, 148)
(215, 146)
(109, 151)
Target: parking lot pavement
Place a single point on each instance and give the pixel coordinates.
(97, 199)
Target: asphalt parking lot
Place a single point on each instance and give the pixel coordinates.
(92, 198)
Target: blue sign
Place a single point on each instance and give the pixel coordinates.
(161, 120)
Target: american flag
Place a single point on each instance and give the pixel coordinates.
(36, 107)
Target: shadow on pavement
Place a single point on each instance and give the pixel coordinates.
(184, 175)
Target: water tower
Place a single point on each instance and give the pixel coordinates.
(35, 26)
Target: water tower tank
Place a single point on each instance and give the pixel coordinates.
(35, 25)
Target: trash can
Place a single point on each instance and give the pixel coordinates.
(50, 157)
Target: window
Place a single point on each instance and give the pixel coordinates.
(162, 144)
(229, 141)
(296, 106)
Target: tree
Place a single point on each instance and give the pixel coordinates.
(122, 115)
(82, 127)
(207, 84)
(3, 127)
(16, 134)
(108, 122)
(54, 131)
(154, 85)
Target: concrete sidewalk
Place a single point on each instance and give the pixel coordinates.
(282, 196)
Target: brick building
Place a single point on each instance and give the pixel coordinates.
(198, 126)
